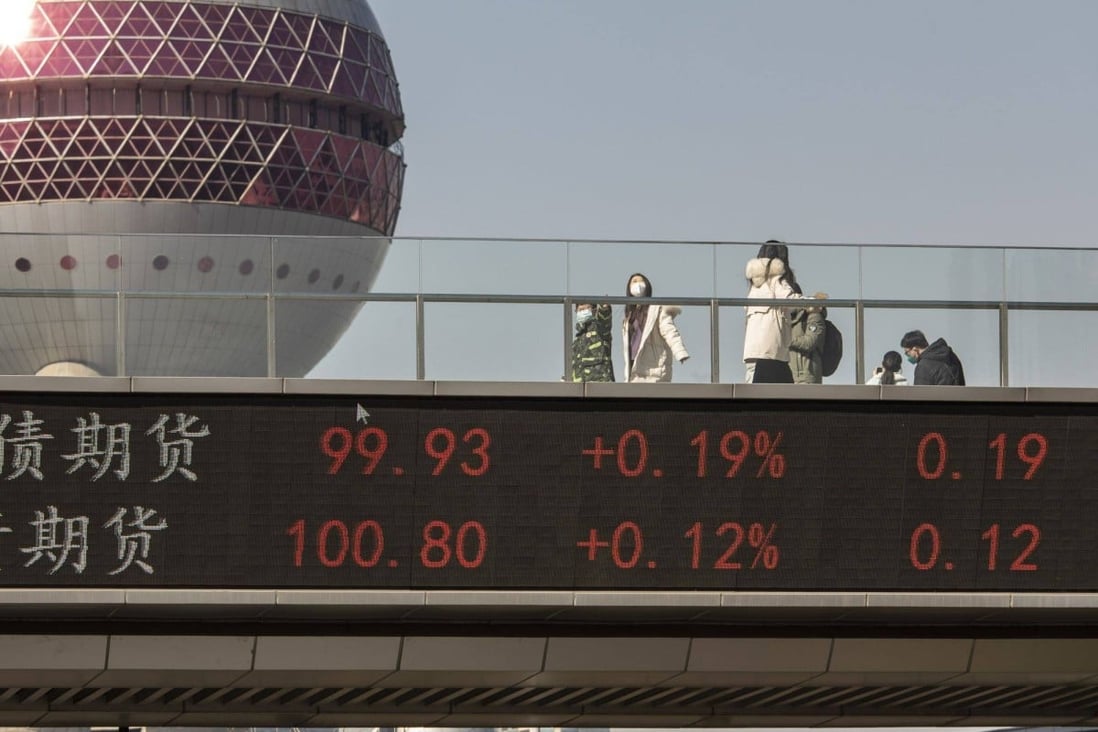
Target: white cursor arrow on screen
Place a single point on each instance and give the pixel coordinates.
(361, 415)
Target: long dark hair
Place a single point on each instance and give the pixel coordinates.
(890, 364)
(774, 249)
(633, 311)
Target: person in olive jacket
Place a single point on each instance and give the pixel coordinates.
(807, 343)
(935, 363)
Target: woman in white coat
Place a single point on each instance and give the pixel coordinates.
(651, 340)
(767, 329)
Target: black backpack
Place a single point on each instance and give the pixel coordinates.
(832, 348)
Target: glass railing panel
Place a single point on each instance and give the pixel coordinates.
(695, 326)
(1052, 275)
(399, 272)
(829, 269)
(1043, 351)
(604, 268)
(468, 266)
(65, 335)
(59, 262)
(327, 265)
(379, 344)
(196, 263)
(317, 282)
(494, 341)
(973, 335)
(191, 336)
(728, 264)
(818, 268)
(932, 273)
(844, 320)
(731, 320)
(306, 330)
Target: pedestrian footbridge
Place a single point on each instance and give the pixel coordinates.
(281, 552)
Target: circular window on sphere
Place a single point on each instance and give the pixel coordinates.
(247, 267)
(23, 264)
(283, 271)
(338, 282)
(314, 276)
(68, 262)
(160, 262)
(205, 264)
(113, 260)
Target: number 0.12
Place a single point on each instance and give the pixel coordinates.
(925, 548)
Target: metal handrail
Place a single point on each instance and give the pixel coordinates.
(567, 302)
(493, 299)
(557, 240)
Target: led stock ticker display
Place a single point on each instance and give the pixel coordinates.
(512, 492)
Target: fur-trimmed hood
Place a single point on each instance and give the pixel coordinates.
(756, 272)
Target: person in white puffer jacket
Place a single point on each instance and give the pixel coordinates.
(767, 329)
(649, 335)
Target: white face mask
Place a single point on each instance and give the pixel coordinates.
(638, 289)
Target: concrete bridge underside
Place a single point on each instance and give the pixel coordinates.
(365, 658)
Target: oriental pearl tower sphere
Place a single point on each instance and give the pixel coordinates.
(176, 175)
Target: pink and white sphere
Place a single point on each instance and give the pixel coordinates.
(177, 174)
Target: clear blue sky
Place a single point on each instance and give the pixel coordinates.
(958, 121)
(859, 121)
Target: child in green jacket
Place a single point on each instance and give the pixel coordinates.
(591, 354)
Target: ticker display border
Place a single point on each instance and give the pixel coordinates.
(554, 603)
(860, 609)
(548, 390)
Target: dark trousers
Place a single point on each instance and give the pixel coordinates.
(768, 371)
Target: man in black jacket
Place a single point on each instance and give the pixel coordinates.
(935, 364)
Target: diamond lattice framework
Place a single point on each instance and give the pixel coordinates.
(186, 159)
(196, 41)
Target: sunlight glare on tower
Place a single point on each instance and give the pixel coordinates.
(15, 21)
